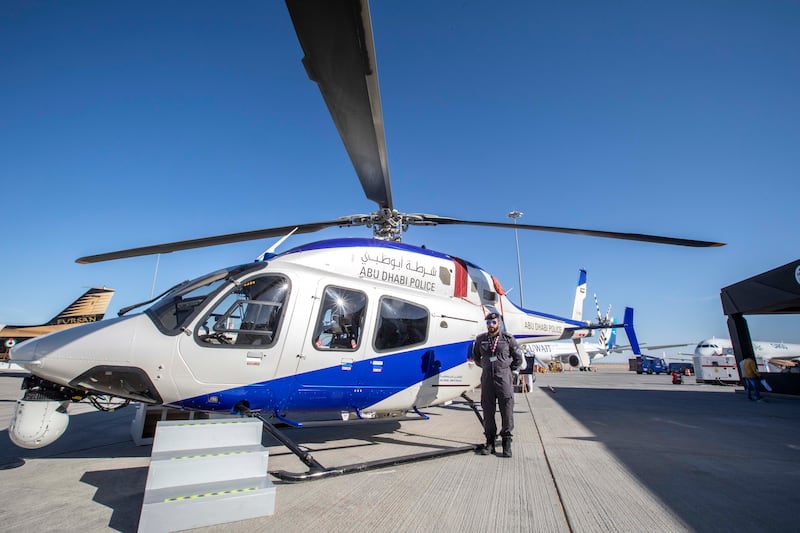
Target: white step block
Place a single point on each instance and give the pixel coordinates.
(206, 472)
(191, 506)
(192, 467)
(202, 434)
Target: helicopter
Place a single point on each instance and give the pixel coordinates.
(371, 325)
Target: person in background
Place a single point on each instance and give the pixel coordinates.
(499, 357)
(750, 375)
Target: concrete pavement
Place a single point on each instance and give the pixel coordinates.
(606, 451)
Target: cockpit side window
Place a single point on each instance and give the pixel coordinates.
(341, 319)
(173, 311)
(400, 324)
(178, 306)
(248, 316)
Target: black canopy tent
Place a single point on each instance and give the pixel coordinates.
(770, 293)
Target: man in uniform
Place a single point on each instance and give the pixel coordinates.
(499, 356)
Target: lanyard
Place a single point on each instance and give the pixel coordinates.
(494, 345)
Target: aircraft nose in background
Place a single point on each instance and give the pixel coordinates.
(706, 350)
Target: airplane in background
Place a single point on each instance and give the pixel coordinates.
(567, 353)
(90, 307)
(767, 352)
(581, 354)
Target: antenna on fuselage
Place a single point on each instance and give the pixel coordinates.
(155, 275)
(270, 252)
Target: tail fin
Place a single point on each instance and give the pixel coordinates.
(90, 307)
(580, 295)
(607, 339)
(630, 332)
(612, 339)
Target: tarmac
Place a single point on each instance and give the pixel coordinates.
(593, 451)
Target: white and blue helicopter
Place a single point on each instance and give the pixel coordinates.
(366, 325)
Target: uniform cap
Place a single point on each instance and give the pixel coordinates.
(490, 316)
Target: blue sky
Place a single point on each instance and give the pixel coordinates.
(125, 124)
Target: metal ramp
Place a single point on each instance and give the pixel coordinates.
(206, 472)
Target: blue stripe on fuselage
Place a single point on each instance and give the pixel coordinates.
(369, 243)
(335, 389)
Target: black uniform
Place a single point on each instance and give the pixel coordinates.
(498, 357)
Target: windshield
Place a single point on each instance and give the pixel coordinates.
(172, 312)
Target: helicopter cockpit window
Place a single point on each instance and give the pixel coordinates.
(173, 311)
(400, 324)
(178, 306)
(248, 316)
(341, 319)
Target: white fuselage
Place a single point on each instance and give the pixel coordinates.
(165, 354)
(763, 350)
(547, 352)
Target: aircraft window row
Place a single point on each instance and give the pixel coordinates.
(341, 322)
(248, 316)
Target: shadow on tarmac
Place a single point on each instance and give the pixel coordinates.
(719, 461)
(109, 436)
(117, 489)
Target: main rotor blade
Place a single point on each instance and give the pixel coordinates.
(336, 37)
(213, 241)
(434, 219)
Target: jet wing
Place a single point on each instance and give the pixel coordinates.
(627, 347)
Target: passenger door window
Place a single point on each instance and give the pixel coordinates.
(400, 324)
(341, 319)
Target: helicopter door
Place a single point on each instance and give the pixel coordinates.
(333, 345)
(239, 340)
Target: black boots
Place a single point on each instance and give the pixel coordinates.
(506, 447)
(488, 448)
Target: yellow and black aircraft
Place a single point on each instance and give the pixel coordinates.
(90, 307)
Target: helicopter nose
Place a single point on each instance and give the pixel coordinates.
(62, 355)
(55, 345)
(102, 357)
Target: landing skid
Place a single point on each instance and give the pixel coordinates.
(318, 471)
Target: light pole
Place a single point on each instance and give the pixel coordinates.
(515, 215)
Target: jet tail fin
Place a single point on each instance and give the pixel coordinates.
(580, 295)
(90, 307)
(612, 339)
(629, 331)
(606, 341)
